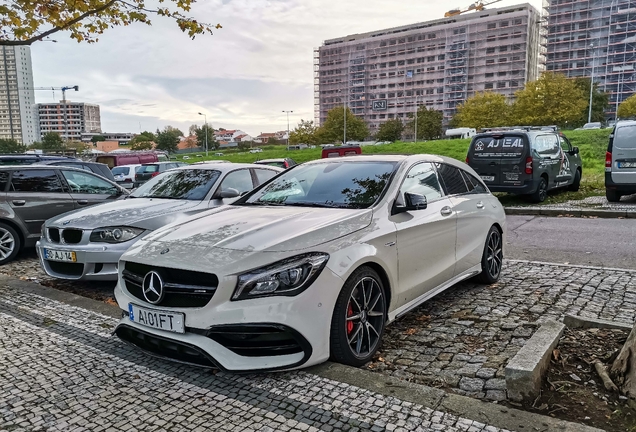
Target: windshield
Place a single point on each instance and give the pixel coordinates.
(341, 184)
(120, 170)
(190, 184)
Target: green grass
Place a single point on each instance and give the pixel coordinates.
(592, 145)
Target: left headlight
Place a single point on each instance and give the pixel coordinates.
(288, 277)
(114, 234)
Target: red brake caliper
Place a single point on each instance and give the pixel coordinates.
(349, 323)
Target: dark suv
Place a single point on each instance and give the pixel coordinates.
(148, 171)
(525, 162)
(32, 194)
(30, 159)
(95, 167)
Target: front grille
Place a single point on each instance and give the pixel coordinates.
(54, 235)
(254, 340)
(166, 348)
(72, 236)
(69, 269)
(182, 288)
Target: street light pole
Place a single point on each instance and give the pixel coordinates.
(415, 139)
(205, 117)
(589, 114)
(287, 112)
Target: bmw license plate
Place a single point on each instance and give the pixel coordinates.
(627, 164)
(58, 255)
(157, 319)
(488, 178)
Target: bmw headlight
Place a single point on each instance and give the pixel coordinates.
(114, 234)
(288, 277)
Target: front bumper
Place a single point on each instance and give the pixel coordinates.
(96, 261)
(301, 325)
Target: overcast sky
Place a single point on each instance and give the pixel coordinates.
(259, 64)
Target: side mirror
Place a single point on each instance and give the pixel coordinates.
(412, 202)
(229, 193)
(575, 151)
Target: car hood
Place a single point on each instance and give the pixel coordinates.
(145, 213)
(269, 229)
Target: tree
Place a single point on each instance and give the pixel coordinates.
(200, 133)
(304, 133)
(390, 130)
(429, 123)
(333, 128)
(11, 146)
(627, 108)
(25, 22)
(78, 146)
(487, 109)
(600, 102)
(553, 99)
(244, 145)
(143, 141)
(52, 141)
(97, 138)
(168, 139)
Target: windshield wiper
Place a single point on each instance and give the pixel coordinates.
(315, 204)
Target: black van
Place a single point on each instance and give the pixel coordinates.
(525, 162)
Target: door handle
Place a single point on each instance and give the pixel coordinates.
(19, 202)
(82, 202)
(480, 205)
(446, 211)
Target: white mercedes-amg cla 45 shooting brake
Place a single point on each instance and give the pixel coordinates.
(311, 265)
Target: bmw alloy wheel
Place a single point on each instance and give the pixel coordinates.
(7, 244)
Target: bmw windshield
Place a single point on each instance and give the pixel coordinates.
(346, 184)
(187, 184)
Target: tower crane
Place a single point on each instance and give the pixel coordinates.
(477, 6)
(63, 89)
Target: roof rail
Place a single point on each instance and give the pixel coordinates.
(552, 128)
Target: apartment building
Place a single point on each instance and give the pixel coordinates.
(595, 36)
(69, 119)
(18, 119)
(385, 74)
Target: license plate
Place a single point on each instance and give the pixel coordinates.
(627, 164)
(157, 319)
(488, 178)
(57, 255)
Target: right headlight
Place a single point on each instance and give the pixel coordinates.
(114, 234)
(288, 277)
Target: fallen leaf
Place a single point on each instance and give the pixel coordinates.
(410, 331)
(424, 318)
(555, 354)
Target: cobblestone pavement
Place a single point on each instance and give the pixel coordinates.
(60, 370)
(627, 203)
(463, 339)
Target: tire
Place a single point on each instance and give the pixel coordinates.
(367, 329)
(492, 258)
(576, 185)
(612, 195)
(541, 193)
(10, 243)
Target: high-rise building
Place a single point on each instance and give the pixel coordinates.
(69, 119)
(595, 36)
(385, 74)
(18, 119)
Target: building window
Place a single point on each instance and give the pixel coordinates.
(488, 86)
(490, 50)
(503, 24)
(489, 74)
(501, 84)
(490, 61)
(501, 73)
(492, 25)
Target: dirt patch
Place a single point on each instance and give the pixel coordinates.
(572, 389)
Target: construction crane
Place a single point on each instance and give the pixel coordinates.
(477, 6)
(63, 89)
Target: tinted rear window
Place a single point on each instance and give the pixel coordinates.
(120, 170)
(35, 181)
(148, 169)
(625, 137)
(499, 147)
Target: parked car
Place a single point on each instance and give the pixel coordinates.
(594, 125)
(305, 267)
(256, 150)
(329, 152)
(186, 157)
(33, 194)
(620, 161)
(94, 167)
(218, 154)
(148, 171)
(131, 158)
(102, 233)
(281, 163)
(526, 162)
(30, 159)
(124, 175)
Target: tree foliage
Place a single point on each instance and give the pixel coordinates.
(553, 99)
(627, 108)
(52, 141)
(390, 130)
(143, 141)
(429, 123)
(24, 21)
(78, 146)
(305, 133)
(97, 138)
(333, 128)
(487, 109)
(11, 146)
(600, 102)
(168, 139)
(200, 133)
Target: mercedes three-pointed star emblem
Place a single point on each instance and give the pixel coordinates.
(153, 287)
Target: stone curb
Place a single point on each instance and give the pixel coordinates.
(544, 263)
(525, 371)
(552, 212)
(488, 413)
(575, 321)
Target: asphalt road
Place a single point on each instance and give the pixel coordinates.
(596, 242)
